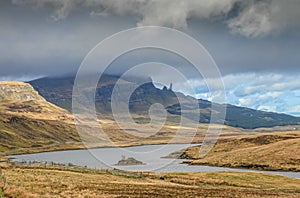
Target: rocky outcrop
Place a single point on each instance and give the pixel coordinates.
(28, 121)
(21, 99)
(129, 162)
(18, 91)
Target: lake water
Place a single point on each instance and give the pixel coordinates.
(151, 155)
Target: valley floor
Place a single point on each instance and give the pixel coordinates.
(81, 182)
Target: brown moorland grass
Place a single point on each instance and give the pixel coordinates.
(43, 182)
(269, 151)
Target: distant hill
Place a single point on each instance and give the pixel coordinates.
(59, 92)
(241, 116)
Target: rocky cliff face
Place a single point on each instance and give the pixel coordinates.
(18, 91)
(21, 99)
(28, 121)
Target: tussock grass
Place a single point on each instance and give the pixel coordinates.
(56, 182)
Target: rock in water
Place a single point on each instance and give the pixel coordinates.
(129, 162)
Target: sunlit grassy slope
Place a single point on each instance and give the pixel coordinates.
(269, 151)
(28, 121)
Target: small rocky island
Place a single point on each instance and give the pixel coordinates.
(130, 161)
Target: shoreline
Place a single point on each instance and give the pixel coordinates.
(9, 156)
(188, 162)
(45, 165)
(243, 168)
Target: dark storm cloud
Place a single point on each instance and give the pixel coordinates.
(251, 18)
(33, 44)
(51, 37)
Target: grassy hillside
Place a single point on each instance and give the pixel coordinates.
(82, 182)
(24, 135)
(270, 151)
(28, 121)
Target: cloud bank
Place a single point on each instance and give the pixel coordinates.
(250, 18)
(268, 92)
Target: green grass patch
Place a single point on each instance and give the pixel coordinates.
(1, 193)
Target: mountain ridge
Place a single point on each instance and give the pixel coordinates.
(58, 90)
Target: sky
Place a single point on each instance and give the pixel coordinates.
(255, 43)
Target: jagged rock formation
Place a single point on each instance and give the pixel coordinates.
(59, 92)
(18, 91)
